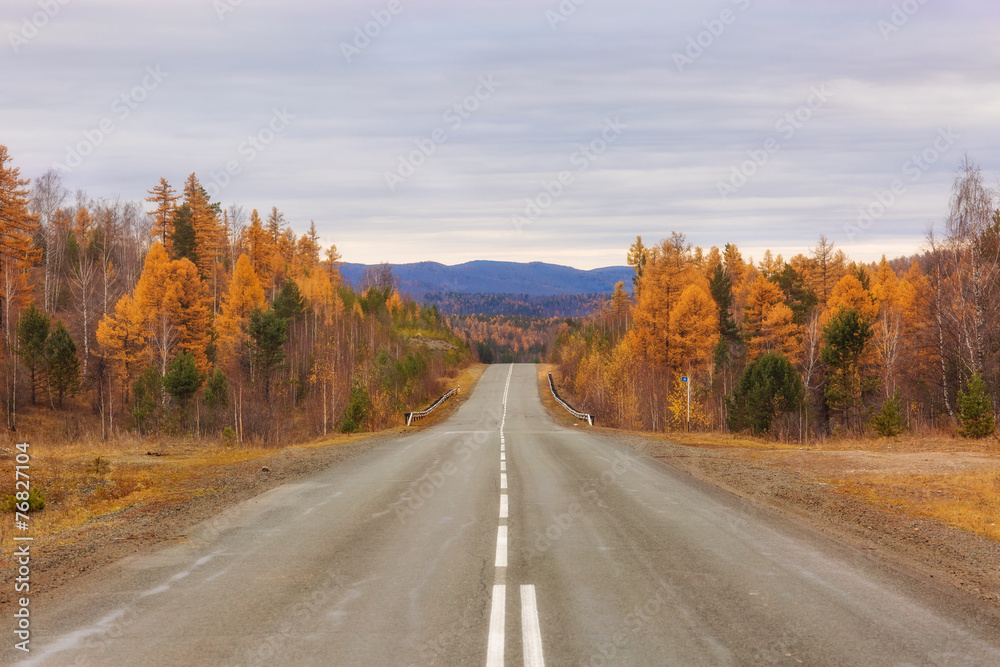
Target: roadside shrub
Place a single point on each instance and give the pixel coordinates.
(975, 411)
(889, 420)
(34, 498)
(99, 467)
(147, 397)
(359, 407)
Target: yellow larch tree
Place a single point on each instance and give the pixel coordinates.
(176, 308)
(694, 330)
(666, 274)
(123, 335)
(733, 263)
(189, 306)
(779, 333)
(889, 326)
(204, 220)
(241, 298)
(82, 223)
(885, 286)
(713, 258)
(622, 377)
(828, 267)
(307, 249)
(17, 249)
(850, 293)
(259, 247)
(761, 298)
(165, 199)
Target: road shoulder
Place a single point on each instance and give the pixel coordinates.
(945, 554)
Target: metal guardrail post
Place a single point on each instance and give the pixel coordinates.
(411, 416)
(576, 413)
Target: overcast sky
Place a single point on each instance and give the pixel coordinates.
(579, 124)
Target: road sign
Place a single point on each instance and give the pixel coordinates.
(684, 378)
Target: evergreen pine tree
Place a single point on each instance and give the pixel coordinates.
(975, 410)
(61, 364)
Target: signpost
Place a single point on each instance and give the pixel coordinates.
(686, 380)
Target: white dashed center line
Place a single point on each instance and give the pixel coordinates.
(532, 635)
(501, 546)
(530, 629)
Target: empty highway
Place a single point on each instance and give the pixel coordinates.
(500, 538)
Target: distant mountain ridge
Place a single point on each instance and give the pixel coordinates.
(491, 277)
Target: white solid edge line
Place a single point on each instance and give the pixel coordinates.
(503, 506)
(530, 629)
(494, 646)
(501, 546)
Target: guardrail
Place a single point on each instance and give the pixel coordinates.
(410, 416)
(573, 411)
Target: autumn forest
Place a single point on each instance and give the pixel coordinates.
(805, 347)
(178, 316)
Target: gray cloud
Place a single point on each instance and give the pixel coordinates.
(687, 130)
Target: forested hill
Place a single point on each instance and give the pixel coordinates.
(517, 305)
(487, 277)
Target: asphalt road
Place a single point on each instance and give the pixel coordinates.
(498, 537)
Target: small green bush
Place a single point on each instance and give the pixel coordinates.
(889, 420)
(99, 467)
(34, 498)
(975, 411)
(359, 407)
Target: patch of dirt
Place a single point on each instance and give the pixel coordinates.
(786, 482)
(432, 343)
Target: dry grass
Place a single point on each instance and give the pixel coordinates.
(967, 497)
(85, 480)
(719, 440)
(969, 500)
(903, 443)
